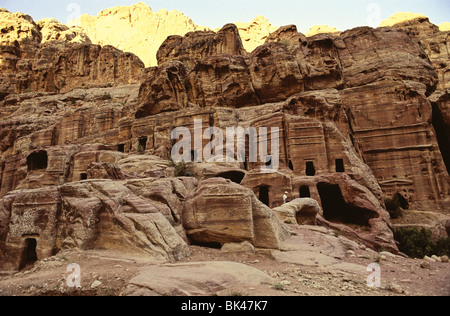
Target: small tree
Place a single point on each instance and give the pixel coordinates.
(181, 168)
(418, 244)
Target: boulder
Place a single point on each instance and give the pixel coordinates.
(194, 279)
(99, 214)
(288, 34)
(301, 211)
(220, 211)
(241, 247)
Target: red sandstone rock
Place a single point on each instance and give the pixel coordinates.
(112, 218)
(356, 126)
(195, 46)
(59, 61)
(222, 212)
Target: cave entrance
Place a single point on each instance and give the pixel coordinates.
(235, 176)
(305, 192)
(204, 244)
(404, 204)
(83, 176)
(3, 95)
(340, 165)
(121, 148)
(29, 256)
(37, 161)
(335, 209)
(142, 144)
(264, 195)
(310, 169)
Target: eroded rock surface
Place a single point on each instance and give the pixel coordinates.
(85, 148)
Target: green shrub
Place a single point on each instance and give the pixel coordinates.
(181, 168)
(442, 247)
(417, 244)
(106, 97)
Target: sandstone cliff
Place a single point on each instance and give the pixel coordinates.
(255, 32)
(49, 57)
(85, 132)
(140, 30)
(136, 29)
(321, 29)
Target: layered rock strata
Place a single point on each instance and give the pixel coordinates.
(48, 57)
(361, 116)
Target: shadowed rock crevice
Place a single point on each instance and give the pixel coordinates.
(37, 161)
(29, 256)
(336, 209)
(234, 176)
(264, 195)
(442, 134)
(352, 111)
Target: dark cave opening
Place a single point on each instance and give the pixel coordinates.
(442, 134)
(3, 95)
(29, 256)
(264, 195)
(235, 176)
(142, 146)
(335, 209)
(291, 165)
(305, 192)
(340, 165)
(37, 161)
(404, 204)
(310, 169)
(213, 245)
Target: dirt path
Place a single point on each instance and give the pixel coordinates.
(321, 264)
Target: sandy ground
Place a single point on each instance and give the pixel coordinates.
(107, 273)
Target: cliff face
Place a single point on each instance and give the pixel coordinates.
(86, 136)
(136, 29)
(49, 57)
(140, 30)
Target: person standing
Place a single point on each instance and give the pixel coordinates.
(285, 197)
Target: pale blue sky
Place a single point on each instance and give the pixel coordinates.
(343, 14)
